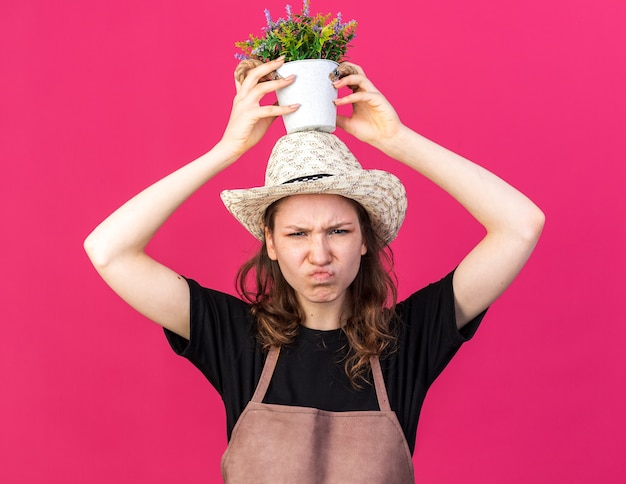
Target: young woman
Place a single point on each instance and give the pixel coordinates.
(322, 374)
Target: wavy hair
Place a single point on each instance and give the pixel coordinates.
(371, 300)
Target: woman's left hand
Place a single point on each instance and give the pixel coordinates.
(373, 119)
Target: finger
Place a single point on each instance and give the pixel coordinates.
(255, 75)
(245, 66)
(255, 95)
(275, 110)
(261, 113)
(356, 97)
(264, 88)
(356, 82)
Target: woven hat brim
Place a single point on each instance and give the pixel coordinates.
(379, 192)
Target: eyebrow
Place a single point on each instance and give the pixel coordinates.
(338, 225)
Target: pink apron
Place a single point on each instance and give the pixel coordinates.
(284, 444)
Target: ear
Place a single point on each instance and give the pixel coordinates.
(363, 249)
(269, 243)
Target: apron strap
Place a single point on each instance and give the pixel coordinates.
(379, 383)
(270, 365)
(266, 375)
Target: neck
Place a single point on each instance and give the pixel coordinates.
(323, 316)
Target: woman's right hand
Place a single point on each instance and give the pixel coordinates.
(117, 246)
(249, 120)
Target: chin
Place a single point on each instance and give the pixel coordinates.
(323, 298)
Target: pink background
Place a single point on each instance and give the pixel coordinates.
(100, 98)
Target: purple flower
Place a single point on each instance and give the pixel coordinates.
(288, 10)
(338, 25)
(268, 18)
(305, 8)
(241, 57)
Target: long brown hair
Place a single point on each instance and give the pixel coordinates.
(371, 298)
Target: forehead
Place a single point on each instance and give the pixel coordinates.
(325, 207)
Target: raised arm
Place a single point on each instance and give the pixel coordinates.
(116, 247)
(513, 222)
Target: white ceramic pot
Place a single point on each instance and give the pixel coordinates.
(315, 93)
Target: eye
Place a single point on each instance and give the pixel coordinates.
(295, 234)
(339, 231)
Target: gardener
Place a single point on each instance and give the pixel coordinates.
(345, 370)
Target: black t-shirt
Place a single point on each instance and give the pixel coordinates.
(310, 372)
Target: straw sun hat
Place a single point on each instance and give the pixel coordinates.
(313, 162)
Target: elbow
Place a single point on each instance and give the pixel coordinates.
(96, 251)
(105, 250)
(91, 249)
(532, 226)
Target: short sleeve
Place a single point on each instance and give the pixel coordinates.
(427, 340)
(220, 333)
(430, 335)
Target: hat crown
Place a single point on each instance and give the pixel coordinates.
(315, 162)
(309, 154)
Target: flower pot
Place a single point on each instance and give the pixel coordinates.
(315, 93)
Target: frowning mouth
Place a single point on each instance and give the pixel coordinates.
(321, 276)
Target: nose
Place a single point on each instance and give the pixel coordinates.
(319, 251)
